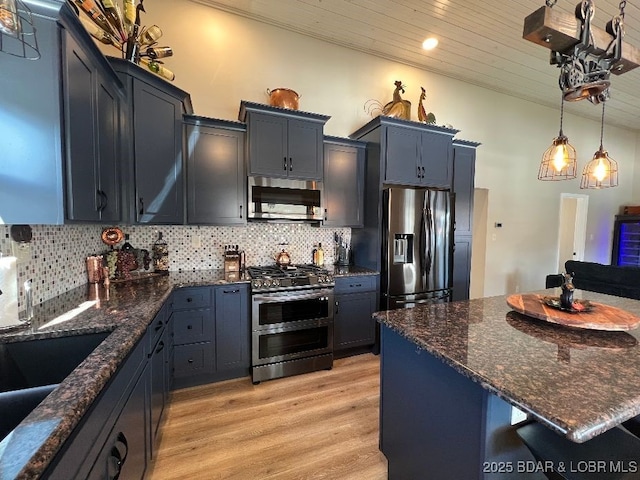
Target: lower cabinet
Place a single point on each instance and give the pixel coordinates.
(211, 334)
(124, 454)
(355, 302)
(461, 267)
(115, 437)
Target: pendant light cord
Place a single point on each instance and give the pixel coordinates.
(561, 113)
(602, 125)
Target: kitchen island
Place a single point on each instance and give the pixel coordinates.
(450, 374)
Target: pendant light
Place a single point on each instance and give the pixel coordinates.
(602, 170)
(559, 160)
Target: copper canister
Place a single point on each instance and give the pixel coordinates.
(94, 269)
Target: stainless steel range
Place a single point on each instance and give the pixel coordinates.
(292, 320)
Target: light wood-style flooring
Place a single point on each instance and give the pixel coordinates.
(320, 425)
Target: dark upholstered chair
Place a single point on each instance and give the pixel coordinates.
(553, 280)
(616, 447)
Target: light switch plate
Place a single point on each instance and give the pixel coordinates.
(22, 251)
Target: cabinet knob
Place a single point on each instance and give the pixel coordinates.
(189, 300)
(189, 327)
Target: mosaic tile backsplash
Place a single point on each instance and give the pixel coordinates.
(56, 261)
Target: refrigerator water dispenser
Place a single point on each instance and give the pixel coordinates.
(403, 248)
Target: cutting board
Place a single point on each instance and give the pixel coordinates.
(600, 317)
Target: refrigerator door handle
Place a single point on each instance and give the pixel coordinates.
(422, 243)
(429, 240)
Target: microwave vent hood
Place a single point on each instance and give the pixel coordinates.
(281, 199)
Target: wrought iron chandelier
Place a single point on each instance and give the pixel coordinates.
(586, 57)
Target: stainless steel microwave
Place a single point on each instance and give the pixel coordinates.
(283, 199)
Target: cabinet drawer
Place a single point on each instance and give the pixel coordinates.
(191, 298)
(366, 283)
(192, 359)
(192, 326)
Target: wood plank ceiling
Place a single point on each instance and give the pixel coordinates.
(480, 42)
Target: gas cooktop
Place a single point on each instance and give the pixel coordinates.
(292, 277)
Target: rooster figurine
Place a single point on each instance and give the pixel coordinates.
(422, 114)
(398, 107)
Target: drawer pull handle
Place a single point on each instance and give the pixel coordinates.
(356, 285)
(189, 300)
(159, 325)
(189, 327)
(160, 347)
(231, 291)
(190, 360)
(116, 459)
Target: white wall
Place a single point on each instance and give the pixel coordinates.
(222, 58)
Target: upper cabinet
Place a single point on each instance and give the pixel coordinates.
(411, 153)
(56, 113)
(464, 161)
(343, 185)
(92, 101)
(283, 143)
(216, 177)
(153, 135)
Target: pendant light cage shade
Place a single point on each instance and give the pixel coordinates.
(559, 161)
(17, 30)
(600, 172)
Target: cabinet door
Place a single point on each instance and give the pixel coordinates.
(80, 112)
(461, 268)
(158, 387)
(353, 324)
(464, 159)
(436, 160)
(343, 185)
(402, 163)
(268, 145)
(305, 149)
(124, 454)
(216, 183)
(157, 127)
(233, 334)
(108, 145)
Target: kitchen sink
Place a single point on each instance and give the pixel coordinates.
(30, 370)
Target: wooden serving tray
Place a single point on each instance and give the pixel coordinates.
(600, 317)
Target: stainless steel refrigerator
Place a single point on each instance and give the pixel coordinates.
(417, 246)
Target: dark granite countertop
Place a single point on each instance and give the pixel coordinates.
(125, 310)
(351, 271)
(578, 382)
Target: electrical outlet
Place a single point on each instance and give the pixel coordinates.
(21, 250)
(196, 242)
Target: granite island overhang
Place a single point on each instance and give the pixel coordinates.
(479, 357)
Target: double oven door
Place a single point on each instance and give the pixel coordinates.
(291, 325)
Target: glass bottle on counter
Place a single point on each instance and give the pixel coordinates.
(160, 255)
(319, 256)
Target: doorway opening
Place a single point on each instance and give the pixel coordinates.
(572, 228)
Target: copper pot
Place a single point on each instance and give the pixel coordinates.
(284, 98)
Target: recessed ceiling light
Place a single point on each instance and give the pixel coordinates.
(430, 43)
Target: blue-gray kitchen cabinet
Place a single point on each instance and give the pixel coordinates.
(356, 299)
(153, 180)
(56, 130)
(233, 331)
(92, 100)
(211, 334)
(216, 174)
(283, 143)
(343, 182)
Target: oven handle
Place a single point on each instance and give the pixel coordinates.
(280, 296)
